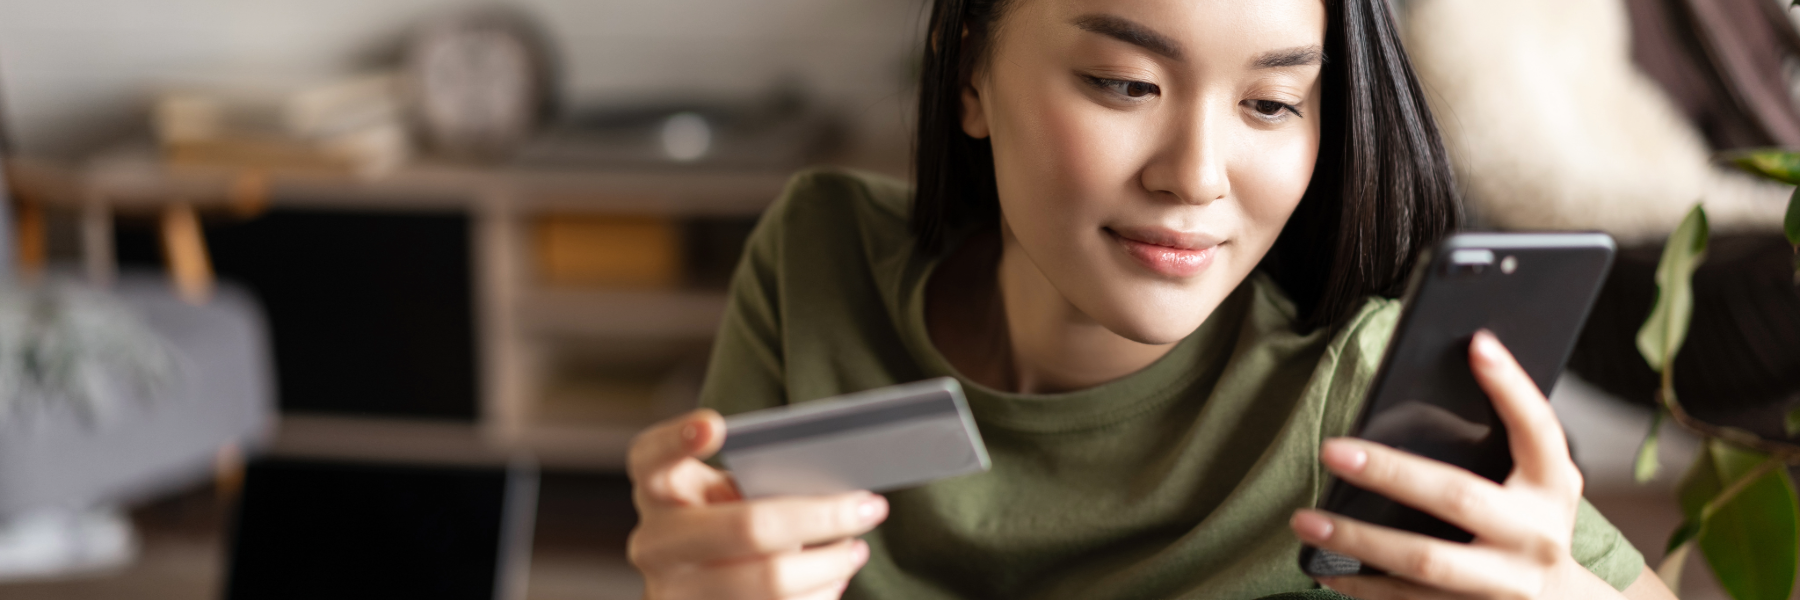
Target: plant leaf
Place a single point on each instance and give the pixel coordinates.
(1683, 534)
(1750, 541)
(1647, 465)
(1792, 422)
(1699, 485)
(1662, 334)
(1676, 558)
(1791, 224)
(1773, 163)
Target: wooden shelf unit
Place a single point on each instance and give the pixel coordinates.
(521, 326)
(682, 314)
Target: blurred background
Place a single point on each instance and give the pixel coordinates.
(292, 289)
(316, 246)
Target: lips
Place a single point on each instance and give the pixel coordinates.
(1167, 252)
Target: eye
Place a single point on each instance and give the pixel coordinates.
(1126, 88)
(1271, 110)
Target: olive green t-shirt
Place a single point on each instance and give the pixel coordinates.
(1176, 481)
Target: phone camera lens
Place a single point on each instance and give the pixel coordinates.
(1470, 261)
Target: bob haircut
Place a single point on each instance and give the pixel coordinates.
(1382, 191)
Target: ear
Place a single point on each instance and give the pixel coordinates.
(974, 118)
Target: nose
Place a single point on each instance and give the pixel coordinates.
(1189, 163)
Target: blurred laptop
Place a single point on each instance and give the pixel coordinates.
(319, 529)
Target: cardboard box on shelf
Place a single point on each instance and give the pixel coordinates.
(608, 251)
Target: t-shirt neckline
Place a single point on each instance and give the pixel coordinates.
(1090, 408)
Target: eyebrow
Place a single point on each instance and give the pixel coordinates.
(1130, 32)
(1136, 34)
(1290, 57)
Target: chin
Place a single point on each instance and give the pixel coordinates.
(1161, 336)
(1156, 324)
(1158, 313)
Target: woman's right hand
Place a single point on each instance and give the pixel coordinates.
(698, 538)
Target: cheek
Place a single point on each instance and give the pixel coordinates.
(1271, 179)
(1059, 161)
(1094, 151)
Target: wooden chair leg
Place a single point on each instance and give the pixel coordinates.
(33, 239)
(98, 256)
(228, 471)
(184, 248)
(249, 194)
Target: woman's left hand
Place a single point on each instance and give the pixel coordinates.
(1522, 527)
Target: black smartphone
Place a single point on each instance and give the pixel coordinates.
(1534, 291)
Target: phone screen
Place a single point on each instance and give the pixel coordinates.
(1534, 292)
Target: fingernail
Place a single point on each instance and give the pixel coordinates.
(1311, 526)
(873, 509)
(1486, 344)
(859, 553)
(1343, 456)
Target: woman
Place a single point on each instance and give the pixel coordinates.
(1153, 238)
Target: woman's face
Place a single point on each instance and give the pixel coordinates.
(1148, 152)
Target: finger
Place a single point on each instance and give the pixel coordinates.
(696, 434)
(835, 592)
(657, 451)
(782, 576)
(1426, 560)
(740, 530)
(688, 483)
(1539, 447)
(1383, 588)
(1450, 493)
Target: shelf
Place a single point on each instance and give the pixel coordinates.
(136, 178)
(385, 439)
(591, 447)
(621, 314)
(559, 446)
(525, 330)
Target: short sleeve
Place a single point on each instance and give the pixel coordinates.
(1602, 549)
(745, 371)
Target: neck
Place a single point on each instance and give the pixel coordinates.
(998, 320)
(1055, 347)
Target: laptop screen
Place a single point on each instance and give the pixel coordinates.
(314, 529)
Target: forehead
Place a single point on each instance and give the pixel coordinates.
(1204, 29)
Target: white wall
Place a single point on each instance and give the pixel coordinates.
(75, 73)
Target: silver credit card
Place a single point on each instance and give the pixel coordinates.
(878, 440)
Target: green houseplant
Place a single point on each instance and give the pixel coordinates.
(1738, 501)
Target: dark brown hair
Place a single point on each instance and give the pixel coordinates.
(1382, 191)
